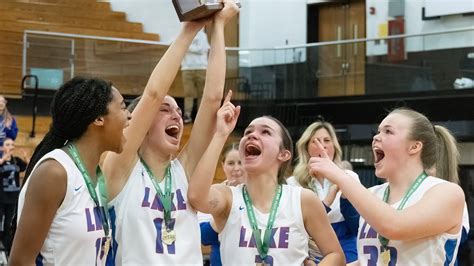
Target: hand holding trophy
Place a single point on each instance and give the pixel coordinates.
(197, 9)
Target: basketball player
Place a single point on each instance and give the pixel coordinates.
(263, 221)
(414, 218)
(147, 182)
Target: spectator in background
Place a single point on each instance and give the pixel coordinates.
(8, 128)
(342, 215)
(347, 165)
(193, 73)
(10, 168)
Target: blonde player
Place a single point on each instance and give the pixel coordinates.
(414, 218)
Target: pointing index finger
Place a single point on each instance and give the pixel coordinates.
(228, 96)
(320, 148)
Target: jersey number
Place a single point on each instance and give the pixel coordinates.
(374, 253)
(159, 223)
(268, 260)
(99, 251)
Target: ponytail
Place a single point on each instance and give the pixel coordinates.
(447, 155)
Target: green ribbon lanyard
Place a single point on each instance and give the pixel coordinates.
(102, 198)
(384, 241)
(165, 198)
(262, 246)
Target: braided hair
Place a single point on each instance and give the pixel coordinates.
(75, 105)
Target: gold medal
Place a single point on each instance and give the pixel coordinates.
(385, 255)
(168, 236)
(106, 246)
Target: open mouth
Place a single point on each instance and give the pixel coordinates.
(172, 131)
(378, 155)
(252, 150)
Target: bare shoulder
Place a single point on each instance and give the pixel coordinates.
(446, 191)
(48, 171)
(308, 197)
(48, 180)
(225, 196)
(225, 190)
(310, 203)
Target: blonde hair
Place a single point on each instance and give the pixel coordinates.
(439, 145)
(7, 117)
(301, 169)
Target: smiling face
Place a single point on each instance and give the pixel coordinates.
(233, 169)
(391, 145)
(167, 128)
(115, 121)
(260, 147)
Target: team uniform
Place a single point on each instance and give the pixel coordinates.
(465, 230)
(209, 237)
(289, 239)
(342, 215)
(433, 250)
(76, 235)
(138, 220)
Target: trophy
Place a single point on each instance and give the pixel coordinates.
(197, 9)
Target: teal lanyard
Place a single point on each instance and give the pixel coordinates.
(104, 215)
(384, 241)
(262, 246)
(165, 198)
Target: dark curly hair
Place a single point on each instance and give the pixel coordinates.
(75, 105)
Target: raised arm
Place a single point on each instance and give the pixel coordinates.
(203, 196)
(44, 195)
(441, 207)
(205, 121)
(318, 227)
(117, 167)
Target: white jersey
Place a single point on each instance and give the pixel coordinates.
(334, 215)
(137, 215)
(347, 239)
(289, 241)
(196, 56)
(434, 250)
(76, 234)
(465, 219)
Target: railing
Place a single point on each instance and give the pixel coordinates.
(56, 57)
(394, 64)
(401, 63)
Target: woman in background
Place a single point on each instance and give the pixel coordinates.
(8, 127)
(342, 215)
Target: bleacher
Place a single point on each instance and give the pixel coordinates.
(85, 17)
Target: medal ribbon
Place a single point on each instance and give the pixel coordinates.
(384, 241)
(262, 246)
(165, 198)
(102, 198)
